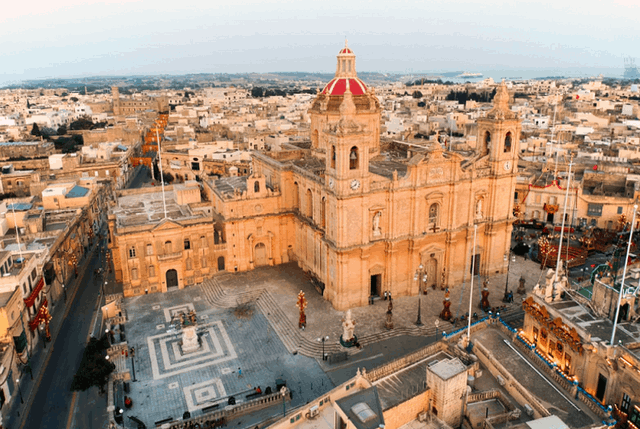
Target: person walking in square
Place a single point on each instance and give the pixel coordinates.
(239, 372)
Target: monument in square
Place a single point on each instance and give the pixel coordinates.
(348, 337)
(188, 324)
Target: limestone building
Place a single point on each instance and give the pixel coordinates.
(361, 215)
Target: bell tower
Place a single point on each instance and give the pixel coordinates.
(345, 127)
(499, 134)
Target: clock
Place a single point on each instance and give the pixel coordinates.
(507, 165)
(331, 183)
(355, 184)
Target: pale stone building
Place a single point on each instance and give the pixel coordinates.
(362, 216)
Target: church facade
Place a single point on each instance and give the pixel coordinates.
(364, 217)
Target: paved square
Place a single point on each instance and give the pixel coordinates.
(170, 382)
(204, 394)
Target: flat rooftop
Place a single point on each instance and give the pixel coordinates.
(148, 208)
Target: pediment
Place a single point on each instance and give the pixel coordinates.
(166, 224)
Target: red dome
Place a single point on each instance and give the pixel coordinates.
(338, 86)
(346, 50)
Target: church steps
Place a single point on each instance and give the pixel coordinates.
(276, 319)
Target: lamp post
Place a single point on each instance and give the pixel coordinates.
(507, 258)
(283, 391)
(19, 390)
(65, 292)
(419, 320)
(323, 339)
(42, 335)
(421, 276)
(132, 352)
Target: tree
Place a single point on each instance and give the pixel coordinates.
(35, 131)
(74, 99)
(28, 104)
(94, 368)
(416, 94)
(168, 177)
(62, 130)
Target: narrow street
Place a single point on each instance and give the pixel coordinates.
(52, 401)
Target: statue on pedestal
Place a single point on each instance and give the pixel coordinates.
(446, 311)
(348, 337)
(188, 324)
(484, 302)
(389, 322)
(521, 289)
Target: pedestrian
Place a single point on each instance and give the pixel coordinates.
(239, 372)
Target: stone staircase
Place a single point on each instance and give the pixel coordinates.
(291, 336)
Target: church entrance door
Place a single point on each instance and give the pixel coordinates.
(375, 285)
(172, 280)
(261, 254)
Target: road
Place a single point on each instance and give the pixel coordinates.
(52, 401)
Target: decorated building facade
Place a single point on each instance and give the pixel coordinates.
(361, 215)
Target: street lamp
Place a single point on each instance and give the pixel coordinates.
(19, 390)
(323, 339)
(507, 258)
(65, 292)
(421, 275)
(283, 391)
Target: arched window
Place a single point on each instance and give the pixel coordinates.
(134, 274)
(309, 204)
(433, 213)
(132, 252)
(487, 139)
(333, 157)
(167, 247)
(314, 138)
(353, 158)
(256, 186)
(187, 244)
(296, 196)
(507, 142)
(189, 264)
(323, 212)
(152, 271)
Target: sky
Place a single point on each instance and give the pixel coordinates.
(74, 38)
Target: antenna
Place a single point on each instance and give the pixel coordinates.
(164, 203)
(624, 274)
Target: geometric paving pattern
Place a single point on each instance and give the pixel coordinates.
(203, 394)
(167, 358)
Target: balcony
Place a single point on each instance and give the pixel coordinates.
(168, 256)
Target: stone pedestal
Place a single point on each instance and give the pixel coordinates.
(389, 322)
(190, 341)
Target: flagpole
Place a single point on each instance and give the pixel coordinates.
(564, 216)
(164, 203)
(473, 269)
(624, 273)
(15, 224)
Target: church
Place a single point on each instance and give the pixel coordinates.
(364, 217)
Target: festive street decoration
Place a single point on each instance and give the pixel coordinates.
(445, 314)
(302, 304)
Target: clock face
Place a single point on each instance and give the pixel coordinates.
(507, 165)
(355, 185)
(331, 183)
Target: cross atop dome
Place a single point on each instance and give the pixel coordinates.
(346, 49)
